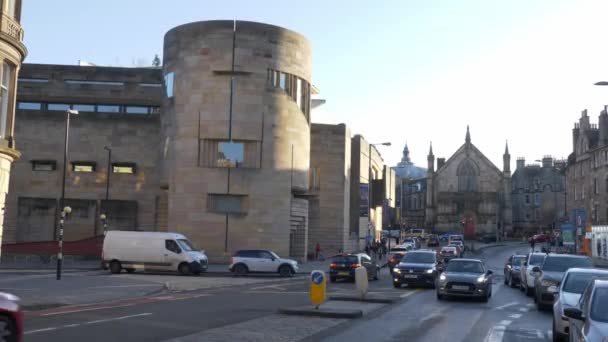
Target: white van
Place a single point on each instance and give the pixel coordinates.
(151, 251)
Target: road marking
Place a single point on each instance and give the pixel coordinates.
(497, 332)
(515, 316)
(285, 292)
(86, 323)
(550, 334)
(276, 287)
(407, 294)
(530, 305)
(524, 309)
(85, 309)
(120, 286)
(505, 322)
(506, 305)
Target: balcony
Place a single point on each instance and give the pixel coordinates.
(12, 27)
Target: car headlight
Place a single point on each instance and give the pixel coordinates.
(482, 279)
(548, 283)
(396, 270)
(442, 277)
(430, 271)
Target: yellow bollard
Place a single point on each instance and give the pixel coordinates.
(318, 286)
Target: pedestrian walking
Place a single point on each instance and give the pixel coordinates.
(532, 243)
(317, 251)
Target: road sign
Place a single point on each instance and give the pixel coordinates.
(318, 285)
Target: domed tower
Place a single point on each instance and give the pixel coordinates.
(12, 53)
(236, 134)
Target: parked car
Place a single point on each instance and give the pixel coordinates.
(465, 278)
(551, 272)
(512, 270)
(154, 251)
(343, 266)
(402, 248)
(417, 233)
(449, 252)
(539, 238)
(416, 268)
(11, 318)
(526, 283)
(261, 261)
(588, 321)
(393, 260)
(568, 294)
(432, 240)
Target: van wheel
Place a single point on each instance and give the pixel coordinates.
(285, 271)
(184, 269)
(115, 267)
(240, 270)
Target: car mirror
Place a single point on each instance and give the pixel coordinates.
(536, 269)
(273, 258)
(490, 272)
(574, 313)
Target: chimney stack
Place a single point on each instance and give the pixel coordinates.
(547, 161)
(521, 163)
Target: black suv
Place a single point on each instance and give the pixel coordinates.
(343, 266)
(416, 268)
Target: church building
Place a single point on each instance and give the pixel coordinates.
(467, 193)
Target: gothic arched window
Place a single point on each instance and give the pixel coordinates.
(467, 176)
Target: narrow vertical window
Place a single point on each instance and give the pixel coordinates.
(7, 72)
(169, 79)
(299, 92)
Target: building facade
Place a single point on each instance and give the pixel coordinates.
(12, 53)
(330, 186)
(538, 196)
(412, 203)
(587, 169)
(468, 193)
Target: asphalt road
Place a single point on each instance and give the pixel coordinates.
(509, 315)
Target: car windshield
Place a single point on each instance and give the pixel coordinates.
(518, 261)
(599, 304)
(576, 282)
(346, 259)
(185, 245)
(275, 255)
(423, 258)
(562, 264)
(464, 267)
(536, 259)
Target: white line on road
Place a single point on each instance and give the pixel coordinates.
(506, 305)
(407, 294)
(86, 309)
(530, 305)
(550, 335)
(515, 316)
(86, 323)
(524, 309)
(119, 286)
(497, 332)
(275, 286)
(505, 322)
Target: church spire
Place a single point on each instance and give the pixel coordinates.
(468, 137)
(406, 154)
(430, 161)
(431, 150)
(506, 160)
(506, 147)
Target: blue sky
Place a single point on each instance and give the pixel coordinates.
(392, 71)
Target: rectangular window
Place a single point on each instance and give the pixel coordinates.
(44, 165)
(33, 80)
(230, 154)
(536, 214)
(58, 106)
(583, 191)
(575, 193)
(5, 97)
(137, 110)
(283, 81)
(169, 80)
(226, 204)
(104, 83)
(537, 199)
(108, 109)
(84, 107)
(527, 199)
(29, 105)
(299, 92)
(224, 153)
(83, 166)
(596, 186)
(276, 78)
(128, 168)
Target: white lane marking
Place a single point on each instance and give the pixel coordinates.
(550, 335)
(539, 334)
(524, 309)
(86, 309)
(515, 316)
(120, 286)
(285, 292)
(407, 294)
(506, 305)
(86, 323)
(40, 330)
(505, 322)
(276, 287)
(530, 305)
(497, 332)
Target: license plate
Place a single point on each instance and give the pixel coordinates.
(343, 273)
(410, 276)
(460, 288)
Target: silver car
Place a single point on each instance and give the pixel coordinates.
(526, 283)
(588, 321)
(465, 278)
(568, 294)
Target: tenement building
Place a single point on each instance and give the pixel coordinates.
(215, 144)
(468, 192)
(538, 196)
(12, 54)
(587, 170)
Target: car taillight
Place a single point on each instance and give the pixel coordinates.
(356, 265)
(333, 265)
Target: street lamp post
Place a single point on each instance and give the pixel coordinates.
(369, 183)
(62, 201)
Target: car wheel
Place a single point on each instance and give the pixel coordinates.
(8, 330)
(396, 285)
(184, 269)
(115, 267)
(332, 279)
(240, 270)
(285, 271)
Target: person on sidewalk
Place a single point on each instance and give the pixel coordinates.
(532, 243)
(317, 251)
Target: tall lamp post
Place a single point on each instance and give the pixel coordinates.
(369, 184)
(65, 211)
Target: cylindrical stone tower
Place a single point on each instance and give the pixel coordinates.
(236, 136)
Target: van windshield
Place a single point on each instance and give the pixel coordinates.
(185, 245)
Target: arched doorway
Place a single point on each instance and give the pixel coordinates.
(468, 224)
